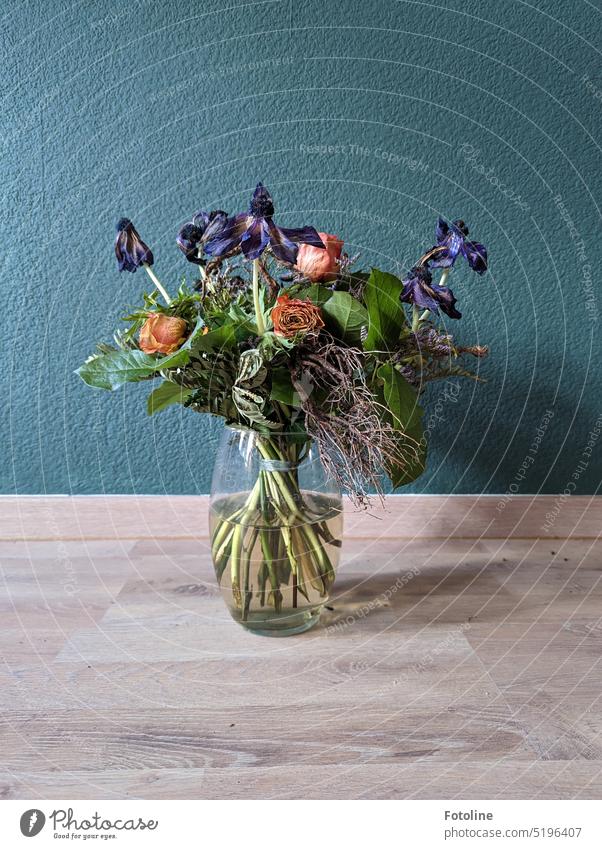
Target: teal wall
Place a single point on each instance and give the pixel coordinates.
(366, 119)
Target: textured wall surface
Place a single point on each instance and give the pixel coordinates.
(367, 118)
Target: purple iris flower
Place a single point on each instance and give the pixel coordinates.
(418, 289)
(130, 250)
(254, 230)
(451, 242)
(194, 235)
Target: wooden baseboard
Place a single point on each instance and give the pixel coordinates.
(404, 516)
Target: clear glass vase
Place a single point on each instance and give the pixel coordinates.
(276, 522)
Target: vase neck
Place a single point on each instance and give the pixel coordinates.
(268, 465)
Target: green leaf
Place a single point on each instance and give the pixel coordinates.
(316, 294)
(238, 316)
(109, 371)
(385, 313)
(252, 404)
(252, 370)
(222, 337)
(282, 387)
(405, 414)
(165, 395)
(112, 370)
(272, 345)
(345, 317)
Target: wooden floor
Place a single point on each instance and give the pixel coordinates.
(461, 658)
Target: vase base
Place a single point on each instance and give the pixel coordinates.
(281, 625)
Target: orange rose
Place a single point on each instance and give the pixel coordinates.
(292, 316)
(320, 264)
(162, 334)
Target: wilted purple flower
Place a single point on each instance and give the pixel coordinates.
(451, 242)
(254, 230)
(195, 234)
(130, 250)
(418, 289)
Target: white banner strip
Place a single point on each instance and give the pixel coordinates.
(299, 824)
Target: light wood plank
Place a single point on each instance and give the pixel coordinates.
(500, 779)
(410, 516)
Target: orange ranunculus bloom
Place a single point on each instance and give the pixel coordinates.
(292, 316)
(320, 264)
(163, 334)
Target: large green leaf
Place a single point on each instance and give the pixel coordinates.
(165, 395)
(282, 387)
(345, 317)
(405, 414)
(316, 294)
(111, 370)
(385, 313)
(220, 337)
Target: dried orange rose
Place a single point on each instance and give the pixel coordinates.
(292, 316)
(162, 334)
(320, 264)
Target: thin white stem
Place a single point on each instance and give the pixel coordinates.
(204, 276)
(444, 275)
(415, 318)
(157, 282)
(256, 302)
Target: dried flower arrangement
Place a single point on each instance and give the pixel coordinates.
(282, 335)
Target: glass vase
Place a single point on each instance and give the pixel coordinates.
(276, 522)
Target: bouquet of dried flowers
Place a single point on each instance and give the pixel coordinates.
(281, 333)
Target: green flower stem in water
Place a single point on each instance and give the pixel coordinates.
(306, 528)
(235, 563)
(308, 539)
(247, 571)
(289, 533)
